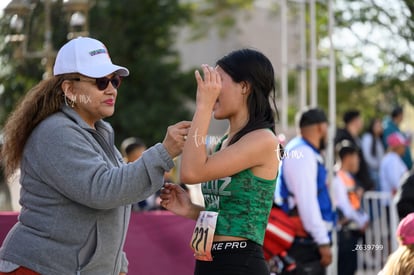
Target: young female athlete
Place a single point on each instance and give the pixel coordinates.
(239, 177)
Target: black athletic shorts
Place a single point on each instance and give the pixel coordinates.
(234, 258)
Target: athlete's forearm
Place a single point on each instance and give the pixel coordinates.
(194, 155)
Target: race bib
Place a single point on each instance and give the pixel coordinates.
(202, 239)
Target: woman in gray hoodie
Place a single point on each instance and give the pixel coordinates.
(75, 189)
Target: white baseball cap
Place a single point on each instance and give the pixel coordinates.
(88, 57)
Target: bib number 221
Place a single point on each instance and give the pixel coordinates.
(202, 239)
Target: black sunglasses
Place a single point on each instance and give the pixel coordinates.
(102, 82)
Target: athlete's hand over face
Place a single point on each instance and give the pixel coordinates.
(208, 89)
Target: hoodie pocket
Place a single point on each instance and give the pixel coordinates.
(88, 251)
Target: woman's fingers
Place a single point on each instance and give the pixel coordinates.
(198, 77)
(206, 72)
(210, 75)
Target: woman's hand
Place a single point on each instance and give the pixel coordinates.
(175, 138)
(208, 89)
(177, 200)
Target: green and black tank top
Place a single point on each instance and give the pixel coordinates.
(243, 202)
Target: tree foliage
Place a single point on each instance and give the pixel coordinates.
(141, 36)
(17, 75)
(380, 55)
(216, 14)
(385, 30)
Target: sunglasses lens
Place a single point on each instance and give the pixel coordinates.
(116, 81)
(102, 83)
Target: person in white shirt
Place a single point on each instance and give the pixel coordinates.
(347, 196)
(373, 149)
(301, 187)
(392, 168)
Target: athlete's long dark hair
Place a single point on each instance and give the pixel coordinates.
(251, 66)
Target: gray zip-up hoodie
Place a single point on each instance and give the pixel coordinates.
(76, 195)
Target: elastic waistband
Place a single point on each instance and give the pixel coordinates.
(234, 245)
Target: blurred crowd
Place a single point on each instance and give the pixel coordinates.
(378, 159)
(384, 156)
(375, 159)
